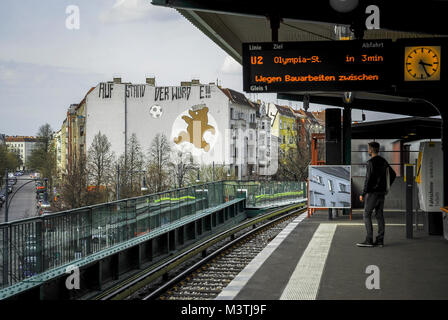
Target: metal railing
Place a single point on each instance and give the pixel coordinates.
(34, 245)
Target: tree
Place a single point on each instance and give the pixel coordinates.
(100, 161)
(208, 173)
(159, 159)
(45, 136)
(8, 160)
(131, 169)
(293, 165)
(74, 192)
(43, 157)
(181, 165)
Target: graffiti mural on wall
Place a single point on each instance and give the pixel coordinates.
(197, 126)
(135, 91)
(183, 92)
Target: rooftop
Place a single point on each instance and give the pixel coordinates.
(237, 97)
(20, 139)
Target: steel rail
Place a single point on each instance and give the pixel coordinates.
(163, 288)
(139, 280)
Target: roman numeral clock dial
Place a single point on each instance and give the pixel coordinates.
(422, 63)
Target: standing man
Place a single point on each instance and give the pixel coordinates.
(379, 176)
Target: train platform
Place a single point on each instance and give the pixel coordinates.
(317, 259)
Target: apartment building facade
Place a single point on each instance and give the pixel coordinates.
(23, 146)
(215, 125)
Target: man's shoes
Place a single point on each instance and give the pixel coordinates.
(378, 243)
(366, 243)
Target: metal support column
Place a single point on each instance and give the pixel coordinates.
(347, 142)
(275, 25)
(445, 156)
(333, 143)
(409, 199)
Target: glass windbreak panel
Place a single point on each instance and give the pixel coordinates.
(109, 226)
(120, 226)
(175, 205)
(131, 220)
(205, 198)
(219, 193)
(81, 233)
(165, 208)
(154, 208)
(24, 251)
(199, 195)
(190, 201)
(120, 214)
(143, 215)
(3, 254)
(229, 191)
(211, 195)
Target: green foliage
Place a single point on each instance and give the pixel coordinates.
(43, 157)
(8, 160)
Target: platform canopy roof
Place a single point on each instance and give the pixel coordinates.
(230, 23)
(406, 129)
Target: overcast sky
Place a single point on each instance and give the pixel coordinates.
(45, 67)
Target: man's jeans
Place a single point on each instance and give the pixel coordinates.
(374, 201)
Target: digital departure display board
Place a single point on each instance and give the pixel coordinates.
(317, 66)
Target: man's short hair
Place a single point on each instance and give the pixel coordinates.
(375, 146)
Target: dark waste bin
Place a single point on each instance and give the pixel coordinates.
(434, 223)
(445, 224)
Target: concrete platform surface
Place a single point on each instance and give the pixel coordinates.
(319, 260)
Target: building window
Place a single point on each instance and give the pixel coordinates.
(343, 187)
(330, 185)
(333, 204)
(322, 202)
(231, 113)
(317, 179)
(284, 139)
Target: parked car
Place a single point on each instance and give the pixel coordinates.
(45, 204)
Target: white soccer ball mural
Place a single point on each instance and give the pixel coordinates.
(156, 111)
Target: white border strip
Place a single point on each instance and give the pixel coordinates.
(305, 280)
(238, 283)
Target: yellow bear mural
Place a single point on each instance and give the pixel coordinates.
(197, 125)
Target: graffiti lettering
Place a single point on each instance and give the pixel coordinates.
(162, 94)
(204, 92)
(180, 93)
(105, 90)
(135, 91)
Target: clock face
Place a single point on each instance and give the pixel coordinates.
(422, 63)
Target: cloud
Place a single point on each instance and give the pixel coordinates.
(8, 75)
(230, 66)
(126, 11)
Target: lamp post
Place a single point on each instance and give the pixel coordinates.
(118, 182)
(6, 195)
(144, 187)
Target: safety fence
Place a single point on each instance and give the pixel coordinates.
(32, 246)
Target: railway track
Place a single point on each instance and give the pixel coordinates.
(204, 270)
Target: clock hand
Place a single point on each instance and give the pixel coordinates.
(424, 68)
(424, 63)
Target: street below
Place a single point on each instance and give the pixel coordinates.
(23, 203)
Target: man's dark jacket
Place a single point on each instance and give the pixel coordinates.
(376, 176)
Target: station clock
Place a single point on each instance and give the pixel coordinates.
(422, 63)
